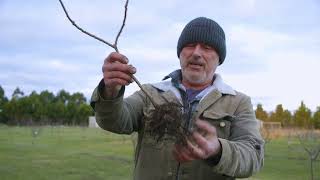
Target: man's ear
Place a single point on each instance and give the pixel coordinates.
(219, 61)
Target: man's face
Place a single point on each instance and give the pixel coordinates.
(198, 63)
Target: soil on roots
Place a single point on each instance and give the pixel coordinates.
(167, 122)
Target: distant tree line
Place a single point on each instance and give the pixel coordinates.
(44, 108)
(303, 117)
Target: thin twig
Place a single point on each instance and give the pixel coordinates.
(84, 31)
(147, 94)
(114, 46)
(123, 24)
(304, 145)
(317, 154)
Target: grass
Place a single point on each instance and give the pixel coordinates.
(90, 153)
(64, 153)
(282, 162)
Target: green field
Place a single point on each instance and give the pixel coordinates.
(91, 153)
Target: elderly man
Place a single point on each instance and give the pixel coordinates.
(226, 143)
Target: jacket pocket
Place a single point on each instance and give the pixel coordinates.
(221, 121)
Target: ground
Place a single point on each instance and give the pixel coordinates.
(77, 153)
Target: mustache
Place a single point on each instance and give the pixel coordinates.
(196, 61)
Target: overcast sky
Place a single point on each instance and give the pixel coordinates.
(273, 47)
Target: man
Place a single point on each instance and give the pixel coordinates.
(226, 143)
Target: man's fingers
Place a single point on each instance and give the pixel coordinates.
(196, 151)
(118, 67)
(201, 141)
(114, 56)
(119, 75)
(186, 155)
(177, 155)
(117, 71)
(206, 127)
(206, 144)
(115, 82)
(182, 154)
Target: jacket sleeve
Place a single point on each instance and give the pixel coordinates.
(119, 115)
(243, 153)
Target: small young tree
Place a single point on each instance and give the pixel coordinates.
(166, 118)
(310, 141)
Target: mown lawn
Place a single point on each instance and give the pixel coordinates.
(90, 153)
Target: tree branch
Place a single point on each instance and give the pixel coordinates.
(317, 154)
(82, 30)
(123, 24)
(114, 46)
(304, 145)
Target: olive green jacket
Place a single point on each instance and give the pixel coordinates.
(229, 111)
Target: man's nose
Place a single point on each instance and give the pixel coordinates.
(197, 50)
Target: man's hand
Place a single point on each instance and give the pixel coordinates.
(116, 73)
(202, 144)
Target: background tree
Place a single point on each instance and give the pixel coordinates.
(84, 112)
(287, 118)
(316, 118)
(261, 113)
(44, 108)
(63, 96)
(36, 107)
(302, 116)
(3, 101)
(276, 116)
(3, 98)
(281, 115)
(17, 93)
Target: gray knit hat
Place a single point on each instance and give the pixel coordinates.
(205, 31)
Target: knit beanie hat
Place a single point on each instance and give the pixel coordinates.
(204, 30)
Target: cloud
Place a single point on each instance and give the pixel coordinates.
(244, 8)
(257, 41)
(284, 65)
(272, 47)
(32, 72)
